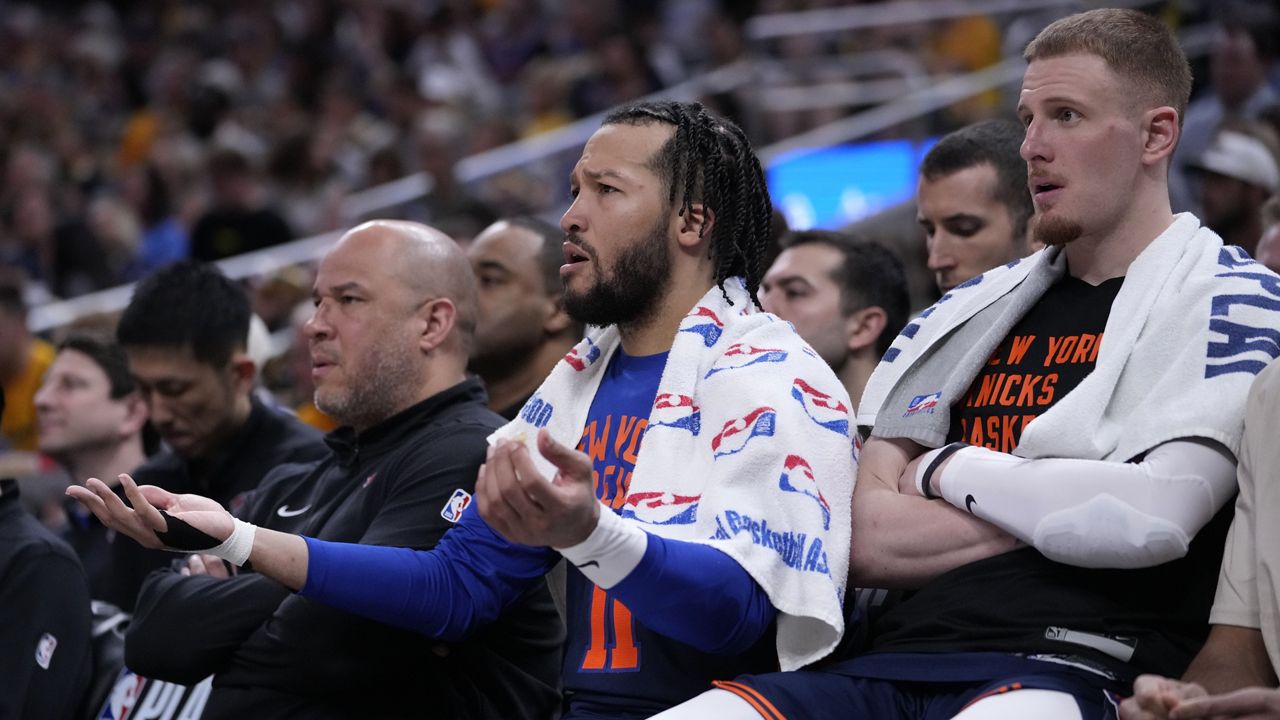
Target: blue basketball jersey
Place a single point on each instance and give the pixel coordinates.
(614, 666)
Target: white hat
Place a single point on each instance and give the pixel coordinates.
(1240, 156)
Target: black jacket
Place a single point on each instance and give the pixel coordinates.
(45, 661)
(275, 654)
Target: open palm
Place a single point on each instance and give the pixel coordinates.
(142, 521)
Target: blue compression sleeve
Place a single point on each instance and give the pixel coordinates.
(698, 595)
(463, 582)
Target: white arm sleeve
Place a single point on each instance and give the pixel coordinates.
(1096, 513)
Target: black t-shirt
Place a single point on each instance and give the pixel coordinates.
(1123, 621)
(1044, 357)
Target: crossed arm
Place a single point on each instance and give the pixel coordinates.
(1089, 513)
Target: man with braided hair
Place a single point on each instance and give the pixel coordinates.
(717, 545)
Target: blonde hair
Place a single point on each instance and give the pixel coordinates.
(1135, 46)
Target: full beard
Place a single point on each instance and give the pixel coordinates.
(628, 292)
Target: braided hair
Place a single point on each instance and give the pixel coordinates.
(709, 160)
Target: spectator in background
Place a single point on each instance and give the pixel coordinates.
(522, 329)
(163, 239)
(238, 220)
(1237, 174)
(45, 657)
(91, 422)
(24, 359)
(621, 73)
(1269, 246)
(61, 253)
(1247, 44)
(973, 203)
(450, 206)
(185, 333)
(846, 297)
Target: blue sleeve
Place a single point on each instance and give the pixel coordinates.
(462, 583)
(697, 595)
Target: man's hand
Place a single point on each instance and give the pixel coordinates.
(527, 508)
(1155, 697)
(208, 565)
(144, 520)
(1252, 703)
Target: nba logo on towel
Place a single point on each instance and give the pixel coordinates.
(580, 360)
(821, 408)
(676, 411)
(739, 356)
(923, 404)
(705, 323)
(125, 695)
(453, 509)
(737, 433)
(797, 477)
(662, 508)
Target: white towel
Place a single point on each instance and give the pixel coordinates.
(747, 449)
(1193, 323)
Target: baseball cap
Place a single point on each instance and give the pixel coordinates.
(1240, 156)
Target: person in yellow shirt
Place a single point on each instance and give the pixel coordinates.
(24, 359)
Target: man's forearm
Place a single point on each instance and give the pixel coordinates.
(903, 541)
(1232, 658)
(281, 557)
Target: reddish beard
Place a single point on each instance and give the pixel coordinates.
(1054, 230)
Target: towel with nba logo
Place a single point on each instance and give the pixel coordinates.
(747, 449)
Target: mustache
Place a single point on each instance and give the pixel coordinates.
(585, 246)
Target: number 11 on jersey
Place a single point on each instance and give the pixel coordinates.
(615, 651)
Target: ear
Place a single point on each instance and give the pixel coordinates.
(557, 320)
(695, 225)
(135, 414)
(864, 327)
(436, 319)
(244, 372)
(1160, 134)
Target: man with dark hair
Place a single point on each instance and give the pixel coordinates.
(522, 330)
(727, 526)
(972, 201)
(91, 423)
(45, 659)
(847, 297)
(389, 339)
(185, 333)
(1052, 445)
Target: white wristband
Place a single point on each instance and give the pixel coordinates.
(923, 467)
(236, 548)
(610, 552)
